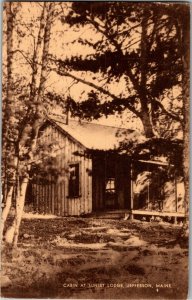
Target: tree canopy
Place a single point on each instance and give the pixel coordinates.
(135, 46)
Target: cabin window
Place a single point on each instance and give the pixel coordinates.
(74, 180)
(110, 186)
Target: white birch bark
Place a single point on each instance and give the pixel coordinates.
(8, 120)
(45, 26)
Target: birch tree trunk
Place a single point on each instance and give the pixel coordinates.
(20, 201)
(6, 209)
(8, 142)
(35, 70)
(9, 105)
(12, 233)
(37, 51)
(37, 98)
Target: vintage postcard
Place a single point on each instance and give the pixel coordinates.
(95, 150)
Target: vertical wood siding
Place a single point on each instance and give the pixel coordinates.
(51, 193)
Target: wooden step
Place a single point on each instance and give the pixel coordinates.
(116, 214)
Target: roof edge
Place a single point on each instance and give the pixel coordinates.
(66, 133)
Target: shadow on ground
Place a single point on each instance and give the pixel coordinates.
(93, 258)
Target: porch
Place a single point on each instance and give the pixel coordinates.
(148, 215)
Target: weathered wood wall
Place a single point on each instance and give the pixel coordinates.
(50, 192)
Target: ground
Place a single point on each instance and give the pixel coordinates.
(95, 259)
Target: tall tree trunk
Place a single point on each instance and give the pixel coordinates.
(10, 111)
(38, 101)
(11, 235)
(147, 123)
(6, 209)
(145, 113)
(37, 51)
(9, 105)
(45, 26)
(9, 197)
(37, 59)
(186, 108)
(20, 202)
(46, 44)
(8, 139)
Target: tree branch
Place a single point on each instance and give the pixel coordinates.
(99, 88)
(26, 58)
(168, 113)
(119, 49)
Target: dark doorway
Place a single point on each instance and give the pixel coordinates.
(111, 182)
(110, 192)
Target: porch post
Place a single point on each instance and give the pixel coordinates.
(175, 219)
(132, 216)
(175, 192)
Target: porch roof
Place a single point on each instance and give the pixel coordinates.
(96, 136)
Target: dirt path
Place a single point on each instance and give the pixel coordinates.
(94, 258)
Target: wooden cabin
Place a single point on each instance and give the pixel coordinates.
(83, 172)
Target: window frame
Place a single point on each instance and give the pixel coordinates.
(78, 194)
(110, 190)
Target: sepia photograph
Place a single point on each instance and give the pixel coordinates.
(95, 150)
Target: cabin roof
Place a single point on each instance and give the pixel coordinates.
(96, 136)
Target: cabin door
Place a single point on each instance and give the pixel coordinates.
(117, 185)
